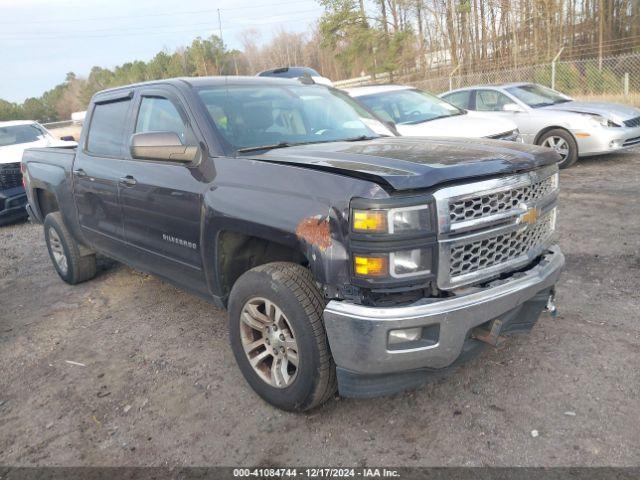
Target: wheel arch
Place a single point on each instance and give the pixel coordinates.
(237, 252)
(545, 130)
(46, 202)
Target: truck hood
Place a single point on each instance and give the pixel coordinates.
(13, 153)
(613, 111)
(413, 163)
(465, 125)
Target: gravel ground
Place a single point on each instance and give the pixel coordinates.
(159, 385)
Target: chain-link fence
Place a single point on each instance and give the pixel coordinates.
(612, 78)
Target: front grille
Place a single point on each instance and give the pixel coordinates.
(10, 176)
(631, 141)
(633, 122)
(489, 252)
(500, 201)
(492, 227)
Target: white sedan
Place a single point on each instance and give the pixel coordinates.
(417, 113)
(551, 119)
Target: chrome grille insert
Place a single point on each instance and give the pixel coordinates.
(500, 201)
(493, 226)
(632, 122)
(475, 256)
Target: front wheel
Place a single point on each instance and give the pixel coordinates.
(562, 142)
(278, 337)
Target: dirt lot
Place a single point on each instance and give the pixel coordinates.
(160, 386)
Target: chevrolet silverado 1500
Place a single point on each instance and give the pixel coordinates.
(346, 260)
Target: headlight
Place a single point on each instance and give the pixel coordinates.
(397, 264)
(602, 121)
(392, 221)
(392, 240)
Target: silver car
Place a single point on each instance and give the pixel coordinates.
(549, 118)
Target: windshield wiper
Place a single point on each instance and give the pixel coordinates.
(295, 144)
(359, 138)
(418, 122)
(268, 147)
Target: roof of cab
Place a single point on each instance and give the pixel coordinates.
(198, 82)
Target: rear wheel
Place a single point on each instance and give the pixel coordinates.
(278, 337)
(64, 252)
(562, 142)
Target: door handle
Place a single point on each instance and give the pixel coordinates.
(79, 172)
(128, 180)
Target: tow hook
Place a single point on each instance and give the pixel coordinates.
(492, 336)
(551, 304)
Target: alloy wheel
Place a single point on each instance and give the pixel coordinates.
(269, 342)
(57, 251)
(559, 144)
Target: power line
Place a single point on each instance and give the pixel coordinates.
(165, 14)
(125, 30)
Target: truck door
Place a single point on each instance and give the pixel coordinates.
(162, 200)
(96, 174)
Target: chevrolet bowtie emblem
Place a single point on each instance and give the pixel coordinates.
(530, 216)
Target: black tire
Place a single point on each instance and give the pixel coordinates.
(292, 289)
(79, 268)
(572, 156)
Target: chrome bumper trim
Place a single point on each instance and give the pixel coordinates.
(358, 334)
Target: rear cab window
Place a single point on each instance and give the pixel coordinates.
(107, 128)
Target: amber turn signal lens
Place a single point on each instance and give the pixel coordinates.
(370, 266)
(370, 221)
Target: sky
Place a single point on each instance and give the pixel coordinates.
(42, 40)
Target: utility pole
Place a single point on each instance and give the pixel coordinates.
(600, 32)
(221, 61)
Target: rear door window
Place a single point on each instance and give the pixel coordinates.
(106, 132)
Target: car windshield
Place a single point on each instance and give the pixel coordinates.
(290, 72)
(273, 116)
(16, 134)
(408, 107)
(537, 96)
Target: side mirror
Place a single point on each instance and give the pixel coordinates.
(511, 107)
(162, 146)
(68, 138)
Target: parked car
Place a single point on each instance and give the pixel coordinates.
(15, 137)
(417, 113)
(551, 119)
(296, 72)
(344, 258)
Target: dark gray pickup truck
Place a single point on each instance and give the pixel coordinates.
(346, 259)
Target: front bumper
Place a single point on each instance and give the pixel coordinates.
(12, 204)
(607, 140)
(358, 335)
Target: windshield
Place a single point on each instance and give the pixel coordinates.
(253, 116)
(16, 134)
(406, 107)
(537, 96)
